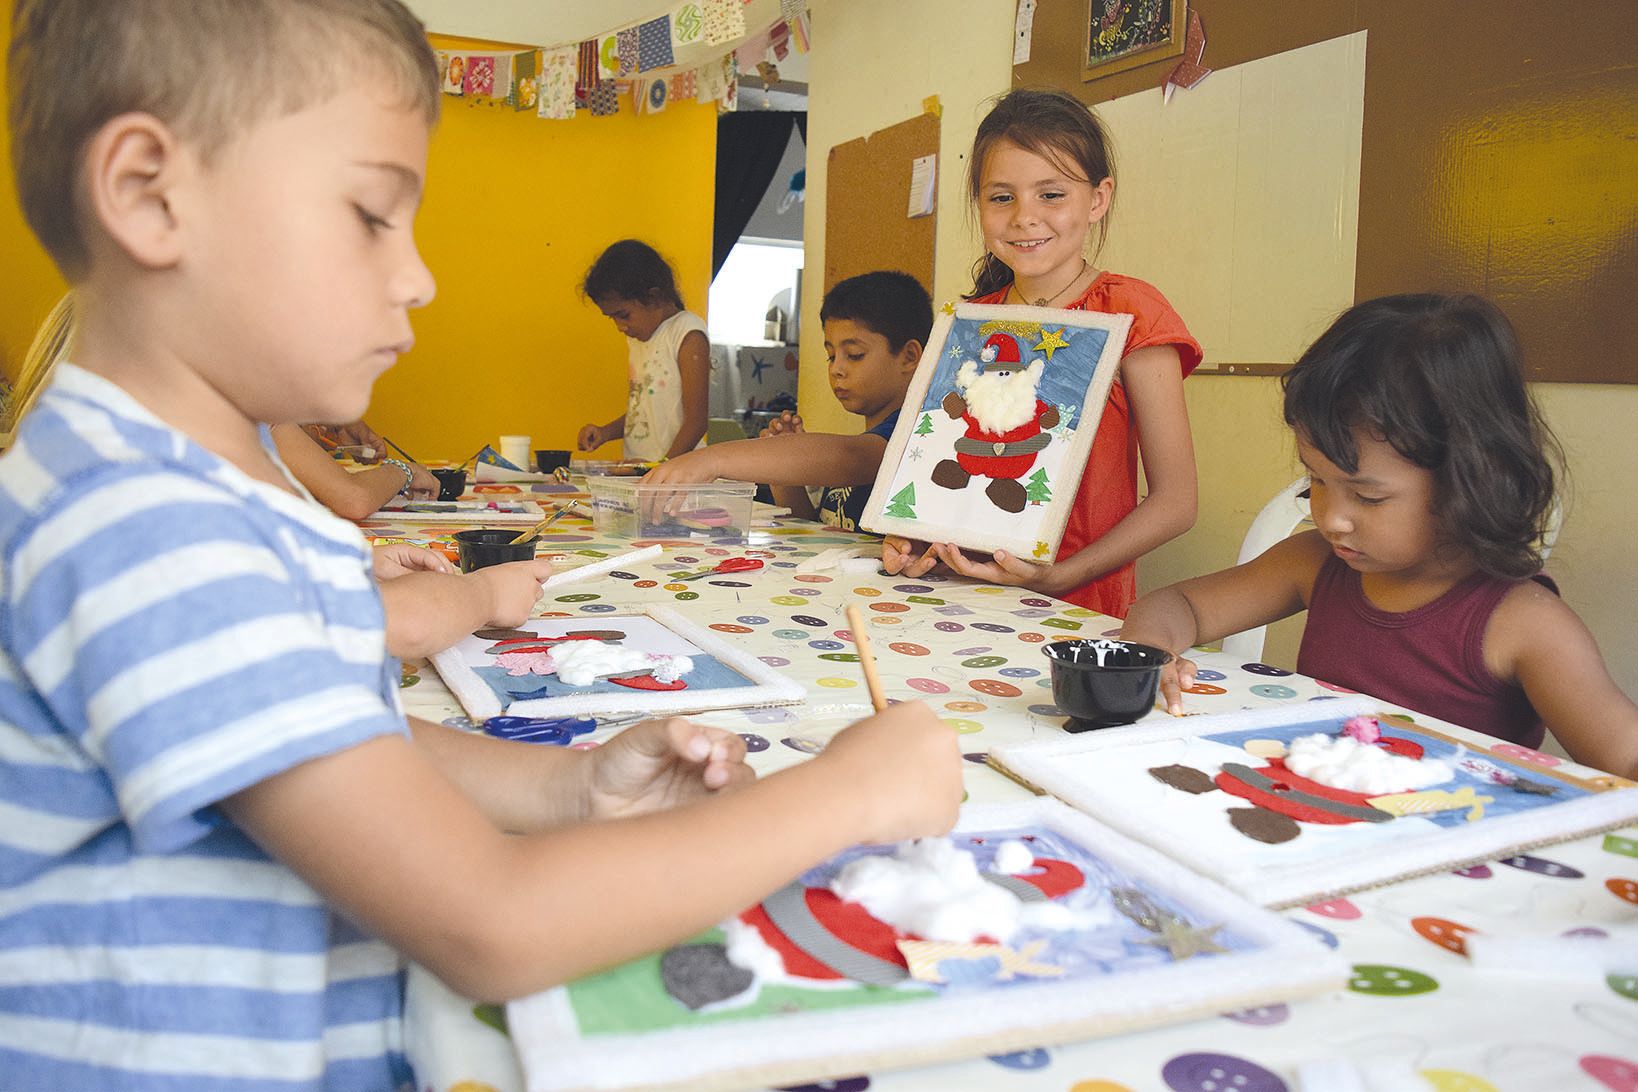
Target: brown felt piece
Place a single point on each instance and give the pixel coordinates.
(1186, 778)
(599, 634)
(502, 634)
(1263, 825)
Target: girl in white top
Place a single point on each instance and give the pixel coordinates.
(669, 356)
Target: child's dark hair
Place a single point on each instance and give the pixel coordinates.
(890, 303)
(1439, 378)
(1054, 125)
(631, 270)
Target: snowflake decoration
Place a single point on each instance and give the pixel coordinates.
(914, 455)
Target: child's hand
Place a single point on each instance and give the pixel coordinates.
(902, 769)
(590, 438)
(513, 589)
(1175, 678)
(401, 558)
(908, 557)
(662, 763)
(786, 422)
(422, 483)
(1003, 568)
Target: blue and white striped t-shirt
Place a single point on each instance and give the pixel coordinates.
(171, 632)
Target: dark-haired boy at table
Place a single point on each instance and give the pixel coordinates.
(219, 825)
(1432, 483)
(876, 325)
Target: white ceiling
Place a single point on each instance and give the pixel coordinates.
(555, 22)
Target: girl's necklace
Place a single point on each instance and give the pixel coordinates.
(1047, 300)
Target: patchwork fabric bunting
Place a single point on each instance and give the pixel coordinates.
(649, 96)
(480, 75)
(608, 56)
(587, 75)
(654, 45)
(791, 9)
(626, 51)
(555, 88)
(724, 21)
(687, 24)
(682, 86)
(799, 34)
(454, 70)
(779, 40)
(525, 80)
(603, 100)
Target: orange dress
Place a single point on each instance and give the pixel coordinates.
(1108, 489)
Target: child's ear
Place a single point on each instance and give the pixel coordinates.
(1103, 195)
(910, 356)
(131, 166)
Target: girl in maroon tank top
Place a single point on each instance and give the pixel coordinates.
(1431, 481)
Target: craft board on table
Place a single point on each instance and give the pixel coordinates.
(478, 671)
(951, 474)
(477, 511)
(1337, 841)
(845, 1001)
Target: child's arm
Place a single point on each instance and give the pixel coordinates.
(1154, 390)
(694, 373)
(394, 843)
(1274, 585)
(791, 458)
(593, 437)
(349, 494)
(427, 611)
(1536, 639)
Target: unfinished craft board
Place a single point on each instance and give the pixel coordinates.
(1107, 775)
(954, 471)
(627, 1028)
(722, 677)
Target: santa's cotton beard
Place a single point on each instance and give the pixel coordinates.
(998, 401)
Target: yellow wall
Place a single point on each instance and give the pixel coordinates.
(29, 283)
(516, 209)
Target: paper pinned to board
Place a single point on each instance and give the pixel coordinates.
(923, 185)
(1023, 31)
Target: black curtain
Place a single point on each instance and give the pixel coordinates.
(749, 148)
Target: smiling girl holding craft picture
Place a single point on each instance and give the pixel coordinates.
(1043, 182)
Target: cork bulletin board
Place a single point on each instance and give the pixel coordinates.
(867, 226)
(1497, 153)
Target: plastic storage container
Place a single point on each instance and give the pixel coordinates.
(710, 511)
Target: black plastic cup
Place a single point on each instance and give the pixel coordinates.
(451, 483)
(479, 549)
(548, 461)
(1101, 682)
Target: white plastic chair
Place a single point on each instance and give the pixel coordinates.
(1282, 516)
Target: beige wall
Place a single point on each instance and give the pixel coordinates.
(960, 51)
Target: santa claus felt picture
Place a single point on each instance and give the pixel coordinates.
(997, 426)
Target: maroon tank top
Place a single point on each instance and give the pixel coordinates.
(1430, 660)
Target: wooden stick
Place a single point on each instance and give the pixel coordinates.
(867, 659)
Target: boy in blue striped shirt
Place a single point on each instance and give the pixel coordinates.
(216, 826)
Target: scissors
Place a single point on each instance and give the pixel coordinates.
(557, 731)
(727, 565)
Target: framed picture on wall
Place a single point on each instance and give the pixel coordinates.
(1123, 34)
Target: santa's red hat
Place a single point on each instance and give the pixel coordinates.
(1000, 354)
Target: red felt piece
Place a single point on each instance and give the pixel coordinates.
(1283, 804)
(1055, 878)
(1401, 746)
(646, 682)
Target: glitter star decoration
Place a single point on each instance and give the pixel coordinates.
(1051, 342)
(948, 308)
(1183, 940)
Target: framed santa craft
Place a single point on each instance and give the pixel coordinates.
(656, 662)
(997, 427)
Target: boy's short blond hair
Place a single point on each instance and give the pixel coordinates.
(207, 68)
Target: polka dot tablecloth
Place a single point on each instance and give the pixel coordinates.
(1415, 1014)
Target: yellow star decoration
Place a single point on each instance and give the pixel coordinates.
(948, 308)
(1042, 549)
(1051, 342)
(1183, 940)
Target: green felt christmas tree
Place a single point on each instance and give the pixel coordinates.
(925, 425)
(902, 506)
(1037, 490)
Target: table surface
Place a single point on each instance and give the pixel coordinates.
(973, 652)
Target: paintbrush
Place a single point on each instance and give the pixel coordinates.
(867, 659)
(545, 523)
(400, 450)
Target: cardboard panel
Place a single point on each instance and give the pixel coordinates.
(866, 198)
